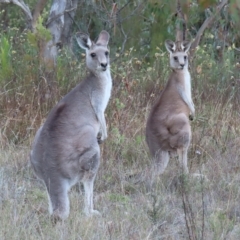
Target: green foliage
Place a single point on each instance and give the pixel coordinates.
(118, 136)
(159, 13)
(217, 73)
(234, 7)
(139, 139)
(220, 224)
(27, 90)
(207, 3)
(154, 213)
(118, 198)
(41, 34)
(119, 104)
(5, 59)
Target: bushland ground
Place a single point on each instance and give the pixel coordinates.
(175, 207)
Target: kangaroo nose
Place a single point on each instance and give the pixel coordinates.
(182, 65)
(104, 65)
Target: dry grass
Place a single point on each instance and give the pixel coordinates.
(173, 208)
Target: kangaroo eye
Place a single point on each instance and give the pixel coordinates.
(106, 53)
(185, 57)
(175, 58)
(93, 55)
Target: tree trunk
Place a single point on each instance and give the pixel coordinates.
(181, 27)
(68, 17)
(55, 24)
(59, 23)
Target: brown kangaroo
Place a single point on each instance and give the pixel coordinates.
(168, 129)
(65, 149)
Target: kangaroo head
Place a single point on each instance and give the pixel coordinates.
(178, 53)
(97, 54)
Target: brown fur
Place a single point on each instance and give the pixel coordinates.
(168, 129)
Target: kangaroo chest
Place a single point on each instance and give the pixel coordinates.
(187, 84)
(101, 95)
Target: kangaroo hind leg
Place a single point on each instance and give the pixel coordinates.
(180, 139)
(182, 158)
(161, 160)
(89, 165)
(58, 198)
(88, 199)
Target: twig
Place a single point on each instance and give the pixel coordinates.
(154, 228)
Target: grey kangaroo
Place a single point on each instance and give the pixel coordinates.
(168, 129)
(65, 149)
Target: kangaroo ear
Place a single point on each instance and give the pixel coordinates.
(170, 46)
(103, 38)
(83, 40)
(186, 46)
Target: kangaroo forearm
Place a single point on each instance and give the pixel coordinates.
(103, 125)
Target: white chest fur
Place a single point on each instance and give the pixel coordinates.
(106, 87)
(187, 83)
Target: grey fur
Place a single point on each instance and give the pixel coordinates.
(65, 149)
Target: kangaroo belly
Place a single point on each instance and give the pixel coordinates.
(179, 131)
(170, 133)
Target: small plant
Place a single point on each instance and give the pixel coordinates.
(155, 211)
(220, 224)
(41, 34)
(6, 69)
